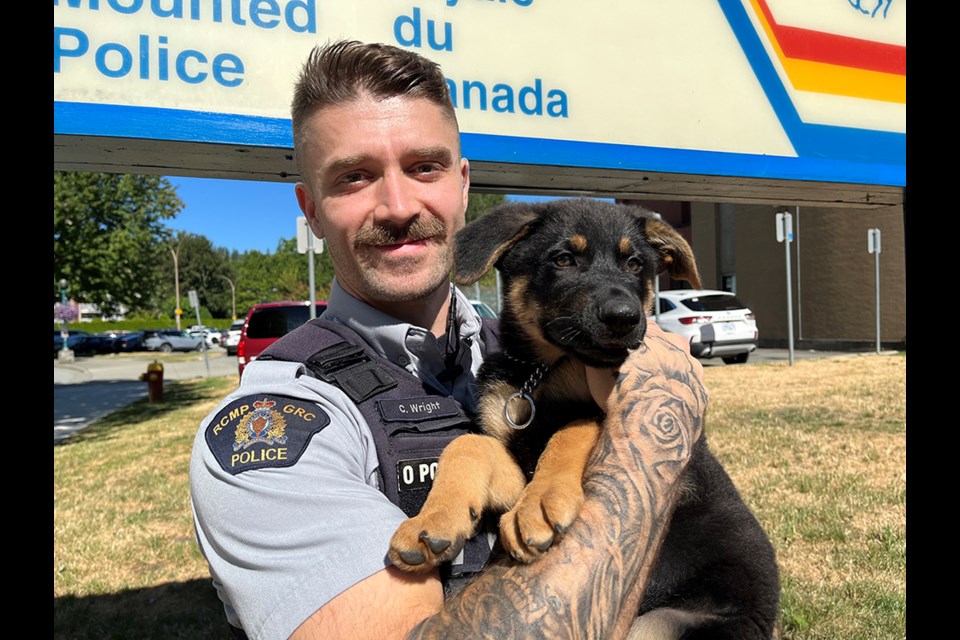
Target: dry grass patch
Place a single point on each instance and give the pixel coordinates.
(126, 562)
(818, 450)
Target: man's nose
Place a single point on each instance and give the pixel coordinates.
(397, 199)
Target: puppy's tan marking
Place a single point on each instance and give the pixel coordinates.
(625, 246)
(552, 501)
(650, 297)
(578, 243)
(528, 315)
(475, 472)
(555, 495)
(490, 411)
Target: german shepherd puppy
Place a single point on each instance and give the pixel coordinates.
(578, 278)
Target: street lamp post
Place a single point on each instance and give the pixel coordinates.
(233, 294)
(176, 279)
(64, 334)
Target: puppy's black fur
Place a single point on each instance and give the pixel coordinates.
(578, 280)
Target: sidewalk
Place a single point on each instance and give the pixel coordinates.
(91, 388)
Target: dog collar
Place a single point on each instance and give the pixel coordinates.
(524, 393)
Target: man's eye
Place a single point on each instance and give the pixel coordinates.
(350, 178)
(634, 265)
(565, 259)
(425, 169)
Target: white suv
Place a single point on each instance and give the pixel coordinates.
(210, 336)
(232, 338)
(715, 322)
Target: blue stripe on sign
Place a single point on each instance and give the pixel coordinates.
(152, 123)
(714, 163)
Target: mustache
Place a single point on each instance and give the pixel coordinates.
(422, 228)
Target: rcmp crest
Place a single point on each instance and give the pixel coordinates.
(263, 431)
(264, 424)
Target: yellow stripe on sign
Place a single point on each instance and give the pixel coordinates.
(846, 81)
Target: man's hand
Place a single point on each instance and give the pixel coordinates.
(661, 352)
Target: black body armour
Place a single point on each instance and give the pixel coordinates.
(411, 422)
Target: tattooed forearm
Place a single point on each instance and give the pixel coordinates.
(591, 583)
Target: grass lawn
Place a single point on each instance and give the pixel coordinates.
(817, 449)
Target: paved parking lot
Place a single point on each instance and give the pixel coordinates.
(91, 388)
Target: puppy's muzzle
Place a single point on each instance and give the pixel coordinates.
(620, 313)
(620, 316)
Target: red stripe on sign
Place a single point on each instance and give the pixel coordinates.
(829, 48)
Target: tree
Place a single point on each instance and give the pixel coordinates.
(283, 275)
(108, 236)
(201, 267)
(480, 203)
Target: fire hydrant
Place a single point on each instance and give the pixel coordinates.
(154, 379)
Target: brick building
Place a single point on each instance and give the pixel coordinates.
(833, 276)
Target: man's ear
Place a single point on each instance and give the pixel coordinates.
(465, 180)
(309, 208)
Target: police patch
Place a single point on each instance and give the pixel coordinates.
(263, 431)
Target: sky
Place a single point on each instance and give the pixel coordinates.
(237, 214)
(242, 215)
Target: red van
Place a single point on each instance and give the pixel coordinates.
(267, 322)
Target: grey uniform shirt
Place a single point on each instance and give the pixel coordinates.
(285, 533)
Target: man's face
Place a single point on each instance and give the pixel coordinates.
(385, 186)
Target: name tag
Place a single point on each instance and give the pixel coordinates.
(417, 409)
(416, 474)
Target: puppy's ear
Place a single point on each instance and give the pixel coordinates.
(482, 242)
(676, 256)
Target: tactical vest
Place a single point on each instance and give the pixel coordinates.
(411, 423)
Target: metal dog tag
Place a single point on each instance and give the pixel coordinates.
(506, 410)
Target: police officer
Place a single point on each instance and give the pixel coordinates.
(300, 477)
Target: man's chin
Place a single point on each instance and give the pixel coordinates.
(395, 287)
(409, 278)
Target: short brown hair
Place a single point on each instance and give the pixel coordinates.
(340, 72)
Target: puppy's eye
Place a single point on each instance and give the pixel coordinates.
(634, 265)
(565, 259)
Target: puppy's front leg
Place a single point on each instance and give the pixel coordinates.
(474, 473)
(552, 500)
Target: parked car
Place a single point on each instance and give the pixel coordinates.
(232, 337)
(94, 344)
(483, 309)
(169, 340)
(73, 337)
(132, 341)
(715, 322)
(267, 322)
(212, 336)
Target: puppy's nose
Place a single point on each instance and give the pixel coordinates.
(620, 313)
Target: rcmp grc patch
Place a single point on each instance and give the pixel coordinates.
(264, 431)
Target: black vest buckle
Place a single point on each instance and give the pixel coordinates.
(348, 367)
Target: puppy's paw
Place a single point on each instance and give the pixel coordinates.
(424, 541)
(540, 518)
